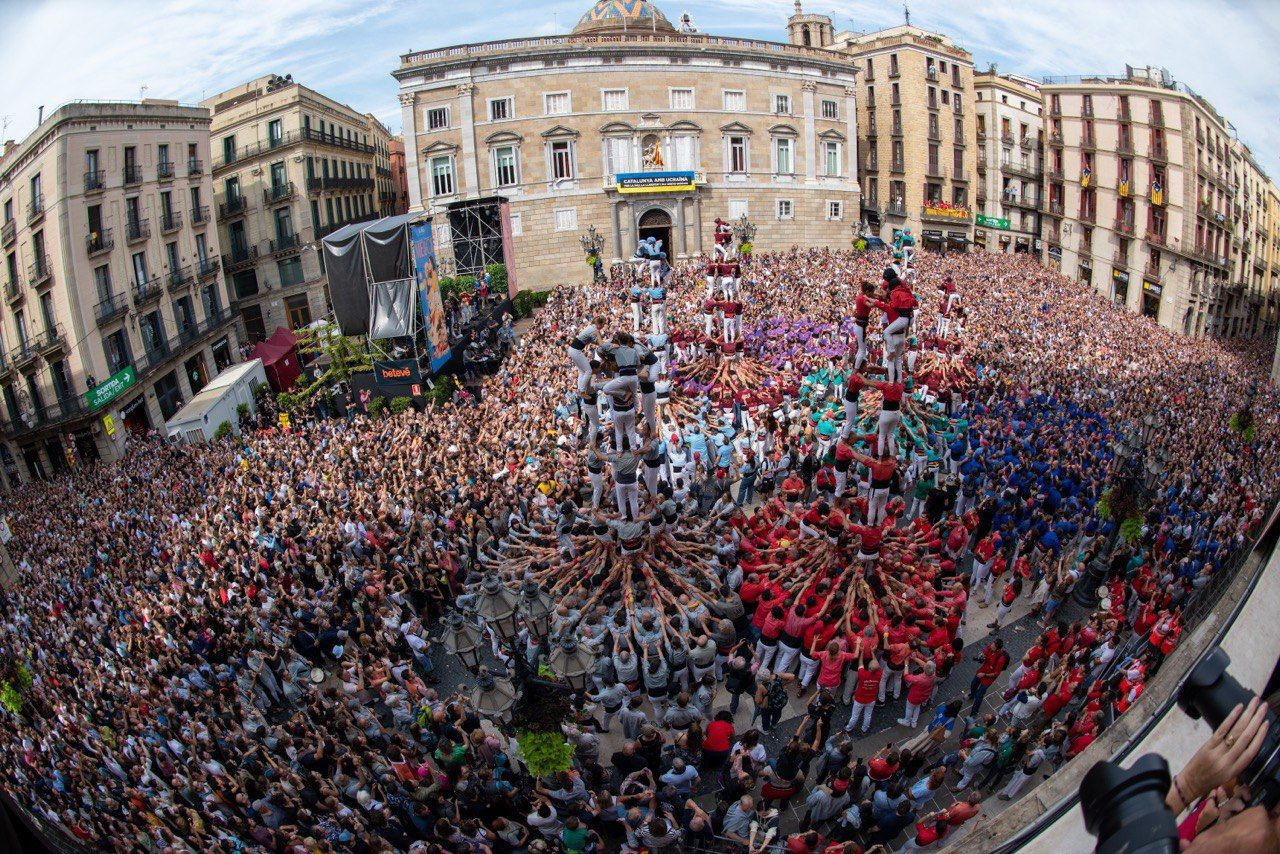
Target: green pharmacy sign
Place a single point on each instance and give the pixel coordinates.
(108, 390)
(993, 222)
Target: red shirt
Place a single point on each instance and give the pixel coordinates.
(919, 687)
(719, 736)
(868, 687)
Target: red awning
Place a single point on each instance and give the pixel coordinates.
(279, 355)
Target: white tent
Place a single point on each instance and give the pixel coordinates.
(217, 402)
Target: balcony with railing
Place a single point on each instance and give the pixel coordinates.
(325, 185)
(336, 141)
(137, 230)
(165, 171)
(111, 308)
(1006, 138)
(234, 206)
(935, 170)
(982, 161)
(871, 163)
(1159, 154)
(1121, 258)
(934, 134)
(895, 129)
(148, 291)
(35, 211)
(39, 273)
(188, 334)
(1027, 143)
(898, 166)
(1089, 141)
(170, 221)
(277, 193)
(95, 181)
(286, 245)
(960, 175)
(1155, 238)
(132, 175)
(9, 233)
(99, 242)
(1156, 120)
(1089, 216)
(153, 357)
(200, 216)
(1124, 146)
(240, 258)
(1054, 173)
(895, 209)
(23, 354)
(13, 291)
(207, 267)
(1055, 138)
(1054, 208)
(51, 339)
(1123, 225)
(1152, 271)
(1025, 170)
(194, 167)
(1026, 201)
(177, 280)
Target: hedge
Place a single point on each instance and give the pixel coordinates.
(527, 301)
(400, 404)
(223, 431)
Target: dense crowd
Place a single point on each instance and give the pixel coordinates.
(229, 643)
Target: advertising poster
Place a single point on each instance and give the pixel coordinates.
(424, 271)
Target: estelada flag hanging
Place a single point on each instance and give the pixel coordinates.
(1085, 176)
(1157, 192)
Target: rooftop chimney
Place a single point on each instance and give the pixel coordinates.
(40, 116)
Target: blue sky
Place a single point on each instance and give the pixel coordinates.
(61, 50)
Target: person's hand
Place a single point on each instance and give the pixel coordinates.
(1227, 752)
(1251, 830)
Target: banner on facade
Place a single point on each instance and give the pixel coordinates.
(947, 213)
(422, 238)
(655, 182)
(111, 388)
(993, 222)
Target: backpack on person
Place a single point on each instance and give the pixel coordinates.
(775, 695)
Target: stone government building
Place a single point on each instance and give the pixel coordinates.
(732, 127)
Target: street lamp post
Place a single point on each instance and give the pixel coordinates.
(593, 244)
(462, 640)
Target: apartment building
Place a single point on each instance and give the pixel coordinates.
(115, 308)
(1009, 128)
(291, 165)
(399, 177)
(1139, 195)
(916, 126)
(1255, 314)
(381, 140)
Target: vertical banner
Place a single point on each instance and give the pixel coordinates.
(508, 251)
(424, 271)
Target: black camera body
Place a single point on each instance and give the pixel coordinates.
(1125, 807)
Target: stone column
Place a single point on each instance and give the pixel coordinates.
(466, 123)
(697, 224)
(409, 121)
(617, 231)
(808, 135)
(681, 242)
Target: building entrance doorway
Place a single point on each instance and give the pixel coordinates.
(657, 223)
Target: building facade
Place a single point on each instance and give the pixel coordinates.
(399, 179)
(917, 131)
(380, 137)
(636, 129)
(1009, 130)
(290, 166)
(116, 311)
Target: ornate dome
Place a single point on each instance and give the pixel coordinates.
(619, 15)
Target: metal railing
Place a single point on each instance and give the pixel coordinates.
(200, 215)
(207, 267)
(13, 290)
(132, 175)
(137, 229)
(1006, 138)
(277, 192)
(164, 171)
(50, 339)
(39, 272)
(239, 258)
(170, 221)
(233, 206)
(110, 308)
(194, 166)
(310, 135)
(323, 184)
(95, 181)
(935, 170)
(144, 292)
(23, 353)
(179, 279)
(35, 211)
(8, 232)
(284, 245)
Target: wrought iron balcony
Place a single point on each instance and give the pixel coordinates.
(188, 334)
(277, 193)
(934, 134)
(148, 291)
(23, 354)
(1054, 208)
(35, 212)
(1156, 120)
(170, 221)
(1027, 143)
(179, 279)
(1088, 216)
(310, 135)
(207, 267)
(286, 245)
(898, 166)
(240, 258)
(194, 167)
(1054, 173)
(322, 184)
(234, 206)
(1006, 138)
(1159, 153)
(13, 291)
(982, 137)
(164, 171)
(110, 308)
(1089, 141)
(200, 215)
(1124, 146)
(9, 233)
(39, 273)
(132, 175)
(51, 339)
(960, 176)
(935, 170)
(1123, 225)
(136, 230)
(896, 209)
(1026, 171)
(931, 73)
(95, 181)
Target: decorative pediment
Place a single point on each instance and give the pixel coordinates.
(650, 119)
(504, 137)
(832, 135)
(560, 132)
(783, 130)
(440, 147)
(685, 126)
(735, 128)
(618, 127)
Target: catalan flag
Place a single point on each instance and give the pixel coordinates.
(1085, 176)
(1157, 192)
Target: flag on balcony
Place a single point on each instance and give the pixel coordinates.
(1123, 189)
(1085, 176)
(1157, 192)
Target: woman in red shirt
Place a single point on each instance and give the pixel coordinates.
(718, 740)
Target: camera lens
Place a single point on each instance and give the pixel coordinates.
(1210, 692)
(1125, 810)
